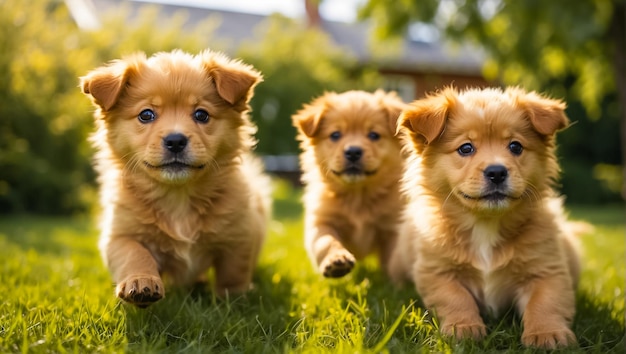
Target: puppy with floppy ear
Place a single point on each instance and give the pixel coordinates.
(180, 190)
(351, 163)
(484, 229)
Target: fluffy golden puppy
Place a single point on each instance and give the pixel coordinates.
(179, 190)
(483, 230)
(351, 163)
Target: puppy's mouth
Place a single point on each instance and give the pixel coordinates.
(175, 166)
(354, 171)
(490, 197)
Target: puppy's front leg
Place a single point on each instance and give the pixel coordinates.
(135, 271)
(233, 271)
(548, 313)
(453, 304)
(331, 257)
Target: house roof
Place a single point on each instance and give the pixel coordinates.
(414, 54)
(235, 27)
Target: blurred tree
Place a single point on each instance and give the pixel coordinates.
(39, 136)
(533, 43)
(44, 119)
(298, 63)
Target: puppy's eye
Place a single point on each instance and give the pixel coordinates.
(146, 116)
(516, 148)
(373, 136)
(466, 149)
(334, 136)
(201, 116)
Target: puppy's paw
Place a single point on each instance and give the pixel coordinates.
(551, 339)
(337, 264)
(140, 290)
(475, 331)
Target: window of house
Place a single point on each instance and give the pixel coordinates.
(404, 85)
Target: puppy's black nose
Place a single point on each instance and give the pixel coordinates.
(496, 174)
(353, 153)
(175, 142)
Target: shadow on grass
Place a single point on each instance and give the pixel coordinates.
(287, 204)
(49, 235)
(597, 327)
(287, 209)
(198, 321)
(606, 215)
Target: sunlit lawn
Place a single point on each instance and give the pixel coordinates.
(56, 296)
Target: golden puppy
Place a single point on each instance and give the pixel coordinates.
(180, 192)
(352, 164)
(483, 230)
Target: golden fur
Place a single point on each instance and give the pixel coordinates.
(180, 191)
(352, 199)
(483, 230)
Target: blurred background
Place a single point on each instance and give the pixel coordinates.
(573, 50)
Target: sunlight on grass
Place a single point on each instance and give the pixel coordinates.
(50, 271)
(604, 254)
(58, 297)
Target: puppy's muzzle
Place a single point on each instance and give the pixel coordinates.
(496, 174)
(353, 153)
(353, 165)
(496, 188)
(175, 142)
(175, 160)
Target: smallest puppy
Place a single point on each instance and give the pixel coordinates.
(352, 163)
(484, 229)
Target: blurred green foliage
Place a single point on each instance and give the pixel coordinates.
(589, 154)
(45, 157)
(529, 42)
(42, 140)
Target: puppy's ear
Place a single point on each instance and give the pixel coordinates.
(546, 115)
(106, 83)
(427, 117)
(393, 106)
(308, 119)
(234, 80)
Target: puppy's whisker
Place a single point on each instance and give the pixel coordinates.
(128, 168)
(130, 160)
(133, 164)
(529, 195)
(327, 171)
(215, 166)
(443, 205)
(533, 193)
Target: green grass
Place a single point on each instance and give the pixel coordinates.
(56, 296)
